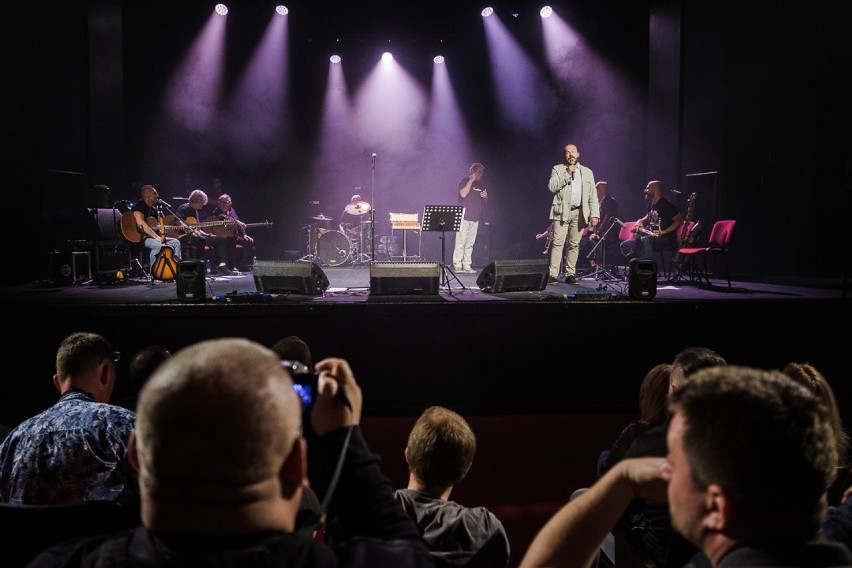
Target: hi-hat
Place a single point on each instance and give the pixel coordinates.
(357, 208)
(321, 218)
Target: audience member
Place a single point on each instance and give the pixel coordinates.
(809, 377)
(837, 526)
(751, 454)
(222, 470)
(294, 348)
(653, 411)
(647, 527)
(439, 453)
(142, 365)
(76, 450)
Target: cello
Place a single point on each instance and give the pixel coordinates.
(165, 266)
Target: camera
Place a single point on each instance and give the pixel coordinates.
(305, 381)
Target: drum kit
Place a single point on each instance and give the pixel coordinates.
(335, 248)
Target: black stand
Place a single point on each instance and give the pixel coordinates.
(601, 273)
(372, 208)
(444, 218)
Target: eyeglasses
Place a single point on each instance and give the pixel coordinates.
(116, 356)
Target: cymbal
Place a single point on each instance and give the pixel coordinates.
(321, 218)
(357, 208)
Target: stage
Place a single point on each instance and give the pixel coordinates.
(564, 348)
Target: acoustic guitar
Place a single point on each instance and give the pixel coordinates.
(131, 232)
(193, 224)
(165, 265)
(228, 228)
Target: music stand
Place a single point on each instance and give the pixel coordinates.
(444, 218)
(601, 273)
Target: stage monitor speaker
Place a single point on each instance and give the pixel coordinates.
(191, 280)
(404, 278)
(514, 276)
(642, 279)
(285, 277)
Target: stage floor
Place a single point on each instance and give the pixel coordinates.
(352, 284)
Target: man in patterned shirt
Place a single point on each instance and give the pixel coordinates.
(76, 450)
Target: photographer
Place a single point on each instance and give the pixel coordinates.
(222, 465)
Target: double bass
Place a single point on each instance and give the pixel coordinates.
(165, 265)
(684, 233)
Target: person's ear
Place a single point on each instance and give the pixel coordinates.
(294, 470)
(717, 507)
(57, 383)
(132, 451)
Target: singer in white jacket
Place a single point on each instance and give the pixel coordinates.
(575, 205)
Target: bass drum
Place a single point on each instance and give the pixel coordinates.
(333, 248)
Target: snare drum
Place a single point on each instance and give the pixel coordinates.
(333, 248)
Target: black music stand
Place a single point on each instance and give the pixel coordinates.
(444, 218)
(600, 272)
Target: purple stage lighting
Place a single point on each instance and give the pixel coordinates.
(487, 11)
(334, 59)
(221, 9)
(546, 12)
(438, 59)
(282, 10)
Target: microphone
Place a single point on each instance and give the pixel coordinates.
(618, 222)
(163, 203)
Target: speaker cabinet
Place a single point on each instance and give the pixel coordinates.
(191, 281)
(642, 279)
(406, 278)
(284, 277)
(514, 276)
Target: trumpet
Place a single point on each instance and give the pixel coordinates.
(548, 234)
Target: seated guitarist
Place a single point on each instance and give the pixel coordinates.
(234, 232)
(657, 230)
(147, 207)
(191, 213)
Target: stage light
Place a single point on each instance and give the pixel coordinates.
(546, 12)
(487, 11)
(334, 59)
(282, 10)
(221, 9)
(438, 59)
(387, 57)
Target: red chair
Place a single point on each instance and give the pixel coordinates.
(695, 258)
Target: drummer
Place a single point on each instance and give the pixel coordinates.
(350, 219)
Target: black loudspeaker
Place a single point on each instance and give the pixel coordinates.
(191, 280)
(514, 276)
(285, 277)
(642, 279)
(412, 278)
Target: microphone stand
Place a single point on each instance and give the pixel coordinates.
(373, 208)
